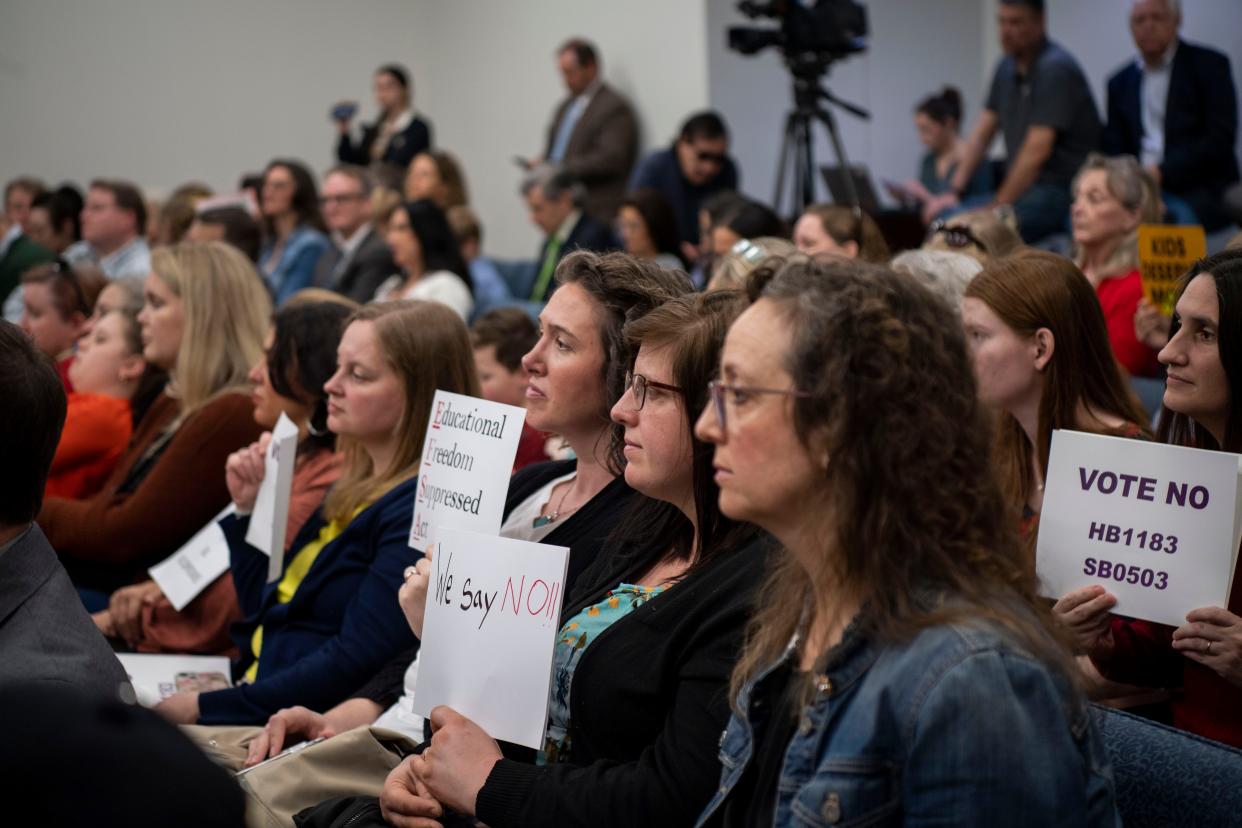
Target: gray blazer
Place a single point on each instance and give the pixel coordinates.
(45, 632)
(362, 275)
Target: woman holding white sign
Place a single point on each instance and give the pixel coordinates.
(900, 668)
(646, 643)
(1201, 410)
(331, 621)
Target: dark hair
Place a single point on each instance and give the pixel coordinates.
(692, 328)
(721, 206)
(240, 228)
(64, 206)
(398, 73)
(73, 288)
(251, 181)
(127, 197)
(510, 331)
(1036, 6)
(584, 51)
(752, 220)
(439, 246)
(707, 124)
(1226, 271)
(305, 196)
(359, 175)
(303, 357)
(945, 105)
(32, 413)
(626, 288)
(659, 218)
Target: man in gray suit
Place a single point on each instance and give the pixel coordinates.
(45, 633)
(594, 134)
(359, 260)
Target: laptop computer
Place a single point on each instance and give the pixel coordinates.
(834, 177)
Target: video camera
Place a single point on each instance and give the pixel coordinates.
(818, 34)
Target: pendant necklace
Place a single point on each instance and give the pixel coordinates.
(544, 520)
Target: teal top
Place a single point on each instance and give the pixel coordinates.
(576, 635)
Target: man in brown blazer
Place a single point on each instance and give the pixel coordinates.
(594, 134)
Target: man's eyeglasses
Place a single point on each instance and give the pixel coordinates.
(721, 393)
(956, 236)
(639, 384)
(339, 199)
(717, 158)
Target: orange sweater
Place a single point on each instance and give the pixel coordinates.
(97, 429)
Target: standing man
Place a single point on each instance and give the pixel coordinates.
(1042, 105)
(594, 134)
(695, 167)
(114, 226)
(1176, 110)
(358, 260)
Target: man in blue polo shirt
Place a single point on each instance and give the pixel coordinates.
(696, 166)
(1041, 103)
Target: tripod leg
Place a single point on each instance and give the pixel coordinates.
(791, 130)
(825, 117)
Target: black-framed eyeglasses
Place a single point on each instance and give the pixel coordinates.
(718, 158)
(639, 385)
(957, 235)
(340, 199)
(722, 392)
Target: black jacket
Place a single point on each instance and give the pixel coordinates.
(649, 701)
(406, 144)
(1200, 122)
(362, 275)
(588, 234)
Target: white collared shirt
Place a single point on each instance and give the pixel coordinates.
(1153, 103)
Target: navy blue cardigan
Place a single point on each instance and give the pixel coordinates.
(342, 625)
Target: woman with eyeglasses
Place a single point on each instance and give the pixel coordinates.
(646, 641)
(981, 234)
(900, 668)
(59, 301)
(294, 235)
(839, 231)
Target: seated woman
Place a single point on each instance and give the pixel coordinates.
(289, 379)
(900, 667)
(330, 622)
(1204, 655)
(435, 174)
(294, 235)
(1042, 360)
(648, 229)
(739, 219)
(431, 265)
(576, 369)
(59, 299)
(981, 234)
(731, 271)
(839, 231)
(938, 119)
(204, 319)
(1112, 197)
(647, 639)
(105, 374)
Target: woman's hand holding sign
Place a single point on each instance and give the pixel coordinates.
(1213, 637)
(413, 594)
(243, 473)
(1087, 614)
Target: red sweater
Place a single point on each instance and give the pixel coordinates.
(1119, 297)
(97, 429)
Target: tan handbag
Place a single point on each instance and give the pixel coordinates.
(354, 763)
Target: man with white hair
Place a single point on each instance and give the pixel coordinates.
(1175, 109)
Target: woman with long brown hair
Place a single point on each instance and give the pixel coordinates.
(1042, 360)
(846, 424)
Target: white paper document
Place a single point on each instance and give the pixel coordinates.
(1155, 525)
(270, 518)
(489, 632)
(192, 568)
(156, 677)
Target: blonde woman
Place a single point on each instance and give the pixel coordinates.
(204, 317)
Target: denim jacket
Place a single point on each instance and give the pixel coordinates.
(957, 726)
(296, 268)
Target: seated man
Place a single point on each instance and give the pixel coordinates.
(45, 633)
(695, 167)
(18, 251)
(1176, 110)
(359, 260)
(114, 226)
(1042, 105)
(555, 200)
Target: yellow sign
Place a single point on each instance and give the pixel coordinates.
(1166, 252)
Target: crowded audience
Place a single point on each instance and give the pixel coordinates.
(798, 467)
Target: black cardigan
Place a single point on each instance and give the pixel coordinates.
(583, 532)
(648, 703)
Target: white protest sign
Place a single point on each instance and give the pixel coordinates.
(467, 461)
(156, 677)
(489, 631)
(1155, 525)
(270, 518)
(188, 571)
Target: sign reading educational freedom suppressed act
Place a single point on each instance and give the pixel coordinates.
(467, 461)
(489, 631)
(1155, 525)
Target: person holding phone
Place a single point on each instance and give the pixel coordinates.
(396, 136)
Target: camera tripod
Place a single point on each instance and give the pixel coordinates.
(797, 155)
